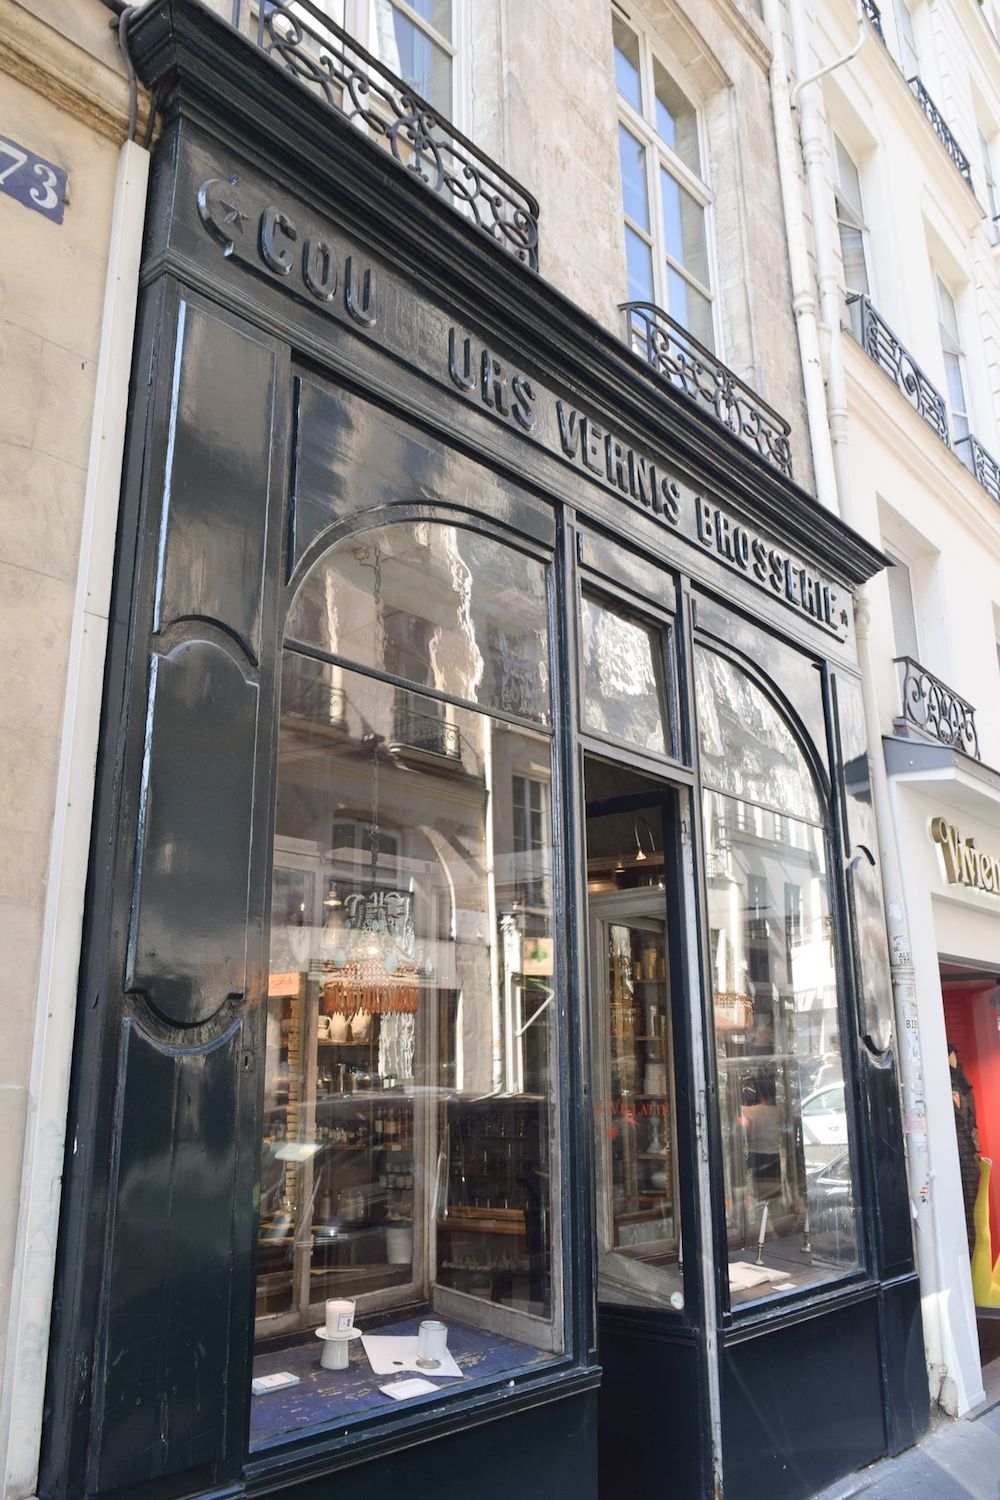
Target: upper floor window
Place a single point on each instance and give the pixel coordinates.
(415, 39)
(954, 361)
(909, 57)
(990, 178)
(904, 615)
(851, 224)
(664, 194)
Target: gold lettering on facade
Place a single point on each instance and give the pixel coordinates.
(964, 864)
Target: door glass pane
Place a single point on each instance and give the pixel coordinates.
(640, 267)
(956, 396)
(848, 180)
(676, 119)
(684, 237)
(635, 1110)
(627, 63)
(632, 156)
(623, 691)
(790, 1210)
(690, 308)
(439, 606)
(410, 53)
(852, 251)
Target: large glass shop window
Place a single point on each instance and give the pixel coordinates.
(790, 1205)
(409, 1214)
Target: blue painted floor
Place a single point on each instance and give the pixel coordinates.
(323, 1396)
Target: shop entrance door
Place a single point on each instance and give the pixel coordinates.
(650, 1306)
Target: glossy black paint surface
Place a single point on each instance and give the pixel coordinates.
(652, 1434)
(267, 421)
(188, 939)
(802, 1404)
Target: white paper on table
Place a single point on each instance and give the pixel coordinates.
(402, 1390)
(743, 1275)
(390, 1353)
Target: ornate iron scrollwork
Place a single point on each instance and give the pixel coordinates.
(982, 464)
(941, 130)
(881, 345)
(695, 371)
(325, 58)
(874, 15)
(936, 710)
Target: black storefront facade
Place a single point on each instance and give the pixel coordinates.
(480, 926)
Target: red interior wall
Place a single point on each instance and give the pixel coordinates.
(973, 1027)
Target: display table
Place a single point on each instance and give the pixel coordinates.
(324, 1395)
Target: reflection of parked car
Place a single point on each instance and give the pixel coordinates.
(832, 1222)
(824, 1123)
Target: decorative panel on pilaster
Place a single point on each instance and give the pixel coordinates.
(166, 1361)
(187, 949)
(172, 1357)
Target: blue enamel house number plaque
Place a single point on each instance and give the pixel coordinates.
(36, 183)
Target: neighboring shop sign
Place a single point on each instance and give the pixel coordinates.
(964, 864)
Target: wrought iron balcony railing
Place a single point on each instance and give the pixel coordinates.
(874, 15)
(324, 58)
(982, 464)
(935, 709)
(694, 370)
(412, 730)
(881, 345)
(941, 130)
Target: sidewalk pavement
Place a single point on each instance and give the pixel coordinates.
(958, 1460)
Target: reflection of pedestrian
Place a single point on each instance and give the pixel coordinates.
(968, 1140)
(763, 1130)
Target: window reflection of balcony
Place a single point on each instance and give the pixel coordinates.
(426, 733)
(935, 710)
(308, 693)
(325, 59)
(699, 375)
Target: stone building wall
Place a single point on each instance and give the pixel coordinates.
(63, 97)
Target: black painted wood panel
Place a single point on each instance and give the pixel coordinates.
(351, 456)
(188, 946)
(165, 1363)
(652, 1414)
(802, 1404)
(907, 1391)
(217, 478)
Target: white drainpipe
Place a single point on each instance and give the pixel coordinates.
(803, 296)
(833, 440)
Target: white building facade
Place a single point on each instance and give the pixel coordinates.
(900, 138)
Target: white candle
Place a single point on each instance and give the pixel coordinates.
(339, 1315)
(763, 1228)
